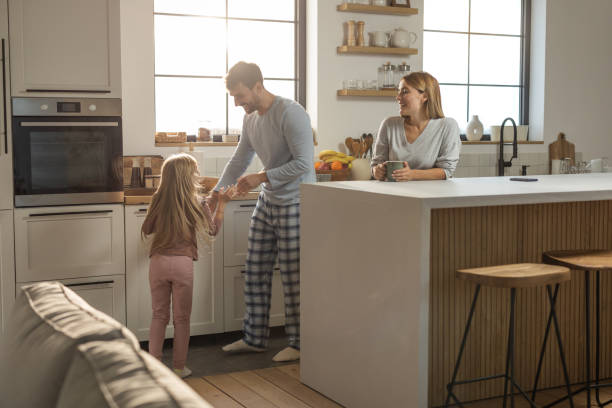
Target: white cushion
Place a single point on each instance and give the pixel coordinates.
(118, 374)
(45, 327)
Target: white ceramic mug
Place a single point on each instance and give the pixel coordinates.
(555, 166)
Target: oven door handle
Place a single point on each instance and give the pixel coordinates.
(71, 124)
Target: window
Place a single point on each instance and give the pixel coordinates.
(478, 50)
(196, 42)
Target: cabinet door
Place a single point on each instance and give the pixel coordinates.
(236, 231)
(53, 243)
(207, 308)
(6, 152)
(234, 299)
(65, 47)
(7, 267)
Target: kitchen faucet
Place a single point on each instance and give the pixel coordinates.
(501, 163)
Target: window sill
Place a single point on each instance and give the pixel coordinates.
(489, 142)
(196, 144)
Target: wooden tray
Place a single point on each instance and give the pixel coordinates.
(337, 175)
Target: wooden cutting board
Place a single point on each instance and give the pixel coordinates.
(560, 149)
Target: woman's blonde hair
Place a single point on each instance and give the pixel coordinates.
(427, 84)
(175, 207)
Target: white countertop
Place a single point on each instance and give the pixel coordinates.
(485, 191)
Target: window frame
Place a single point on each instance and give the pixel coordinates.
(299, 21)
(524, 63)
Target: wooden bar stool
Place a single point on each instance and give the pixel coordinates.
(585, 260)
(511, 276)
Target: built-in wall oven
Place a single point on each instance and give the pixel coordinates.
(67, 151)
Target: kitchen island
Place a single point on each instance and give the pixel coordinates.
(382, 314)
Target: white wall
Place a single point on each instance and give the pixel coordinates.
(578, 77)
(336, 118)
(570, 65)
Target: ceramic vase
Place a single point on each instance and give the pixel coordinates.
(473, 131)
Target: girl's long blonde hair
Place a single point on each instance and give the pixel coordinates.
(175, 209)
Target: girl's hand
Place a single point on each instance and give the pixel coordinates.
(380, 171)
(404, 174)
(227, 193)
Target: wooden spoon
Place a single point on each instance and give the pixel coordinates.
(348, 142)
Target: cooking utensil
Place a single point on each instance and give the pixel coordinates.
(348, 142)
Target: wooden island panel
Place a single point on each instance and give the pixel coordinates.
(485, 236)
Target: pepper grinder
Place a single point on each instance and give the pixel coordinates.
(350, 33)
(135, 180)
(360, 39)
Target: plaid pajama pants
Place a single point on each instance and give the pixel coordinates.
(274, 231)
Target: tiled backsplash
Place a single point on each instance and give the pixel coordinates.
(213, 166)
(485, 164)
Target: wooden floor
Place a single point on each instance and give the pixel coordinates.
(546, 397)
(280, 387)
(266, 388)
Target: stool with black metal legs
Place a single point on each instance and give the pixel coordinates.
(511, 276)
(585, 260)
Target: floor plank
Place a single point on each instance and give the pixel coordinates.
(268, 390)
(211, 394)
(294, 387)
(292, 369)
(239, 392)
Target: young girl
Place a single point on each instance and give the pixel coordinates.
(176, 217)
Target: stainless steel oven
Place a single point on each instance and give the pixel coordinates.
(67, 151)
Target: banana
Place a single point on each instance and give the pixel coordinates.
(342, 160)
(324, 153)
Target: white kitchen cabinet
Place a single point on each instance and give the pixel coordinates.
(207, 309)
(7, 266)
(65, 47)
(67, 242)
(6, 152)
(234, 298)
(236, 232)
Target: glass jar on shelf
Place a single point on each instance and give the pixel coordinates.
(403, 69)
(386, 76)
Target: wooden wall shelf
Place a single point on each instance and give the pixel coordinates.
(368, 92)
(345, 49)
(364, 8)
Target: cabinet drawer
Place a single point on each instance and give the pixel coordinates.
(236, 231)
(106, 294)
(54, 243)
(233, 295)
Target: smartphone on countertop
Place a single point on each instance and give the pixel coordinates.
(523, 179)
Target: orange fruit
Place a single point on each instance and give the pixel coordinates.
(336, 165)
(318, 164)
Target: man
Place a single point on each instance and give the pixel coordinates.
(278, 130)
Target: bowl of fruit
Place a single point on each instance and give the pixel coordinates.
(336, 164)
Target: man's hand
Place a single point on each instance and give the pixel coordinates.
(250, 181)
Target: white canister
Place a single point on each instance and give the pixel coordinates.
(555, 166)
(360, 169)
(596, 166)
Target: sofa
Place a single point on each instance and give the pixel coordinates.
(58, 351)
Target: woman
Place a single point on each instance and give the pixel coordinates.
(421, 137)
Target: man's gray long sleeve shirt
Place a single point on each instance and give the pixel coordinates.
(282, 138)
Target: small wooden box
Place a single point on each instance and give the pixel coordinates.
(170, 137)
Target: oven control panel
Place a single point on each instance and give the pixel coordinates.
(66, 107)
